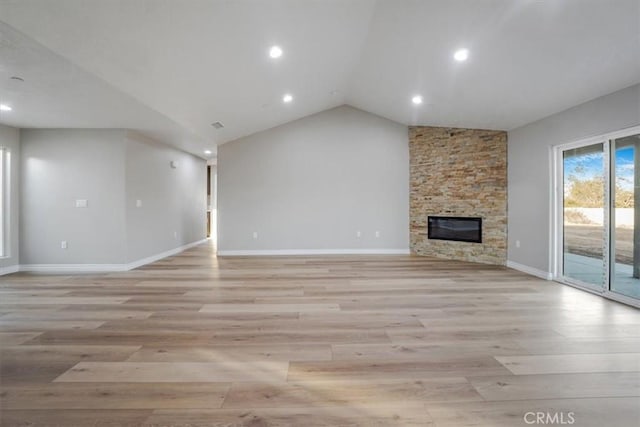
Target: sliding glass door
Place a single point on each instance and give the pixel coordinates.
(598, 215)
(625, 220)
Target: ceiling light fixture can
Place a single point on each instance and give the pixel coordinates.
(4, 107)
(287, 98)
(461, 55)
(275, 52)
(417, 99)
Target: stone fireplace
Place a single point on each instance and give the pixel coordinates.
(459, 173)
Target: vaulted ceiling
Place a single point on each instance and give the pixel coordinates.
(171, 68)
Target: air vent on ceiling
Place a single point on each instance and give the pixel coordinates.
(217, 125)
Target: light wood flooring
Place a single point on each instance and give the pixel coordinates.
(194, 340)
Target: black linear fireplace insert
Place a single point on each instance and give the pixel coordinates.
(459, 228)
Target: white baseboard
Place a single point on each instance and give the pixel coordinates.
(530, 270)
(157, 257)
(9, 270)
(72, 268)
(99, 268)
(288, 252)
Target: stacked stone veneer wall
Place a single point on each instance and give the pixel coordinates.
(459, 172)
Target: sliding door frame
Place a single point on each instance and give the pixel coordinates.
(557, 213)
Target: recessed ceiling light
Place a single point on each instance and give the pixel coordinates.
(207, 152)
(275, 52)
(417, 99)
(4, 107)
(461, 55)
(287, 98)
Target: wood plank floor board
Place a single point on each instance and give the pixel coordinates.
(558, 386)
(467, 333)
(76, 315)
(346, 392)
(571, 363)
(247, 353)
(600, 331)
(563, 345)
(65, 353)
(74, 418)
(32, 372)
(122, 395)
(221, 326)
(422, 351)
(396, 415)
(49, 300)
(268, 308)
(98, 337)
(16, 338)
(301, 336)
(175, 372)
(8, 325)
(375, 340)
(444, 366)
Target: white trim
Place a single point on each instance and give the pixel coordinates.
(9, 270)
(555, 228)
(530, 270)
(100, 268)
(288, 252)
(73, 268)
(594, 139)
(153, 258)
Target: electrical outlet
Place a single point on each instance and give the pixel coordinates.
(517, 243)
(358, 234)
(138, 203)
(175, 234)
(255, 235)
(377, 234)
(63, 244)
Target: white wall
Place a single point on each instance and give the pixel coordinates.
(313, 183)
(10, 138)
(59, 167)
(111, 169)
(173, 200)
(529, 168)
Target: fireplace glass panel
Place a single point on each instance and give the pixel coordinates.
(463, 229)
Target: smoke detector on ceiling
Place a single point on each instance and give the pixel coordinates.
(217, 125)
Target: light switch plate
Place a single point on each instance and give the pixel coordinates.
(82, 203)
(138, 203)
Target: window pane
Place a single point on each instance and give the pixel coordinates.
(625, 271)
(583, 216)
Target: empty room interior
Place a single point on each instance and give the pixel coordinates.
(319, 213)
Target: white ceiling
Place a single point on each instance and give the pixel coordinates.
(57, 94)
(189, 63)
